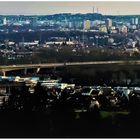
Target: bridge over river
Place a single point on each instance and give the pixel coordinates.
(6, 68)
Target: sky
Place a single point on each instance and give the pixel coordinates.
(55, 7)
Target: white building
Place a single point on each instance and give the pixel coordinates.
(123, 29)
(4, 21)
(135, 21)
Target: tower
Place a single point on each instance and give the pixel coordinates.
(97, 10)
(108, 23)
(93, 10)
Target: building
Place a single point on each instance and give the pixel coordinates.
(97, 22)
(87, 24)
(92, 24)
(108, 23)
(70, 24)
(135, 21)
(132, 50)
(59, 42)
(103, 29)
(34, 21)
(123, 29)
(35, 43)
(114, 29)
(4, 21)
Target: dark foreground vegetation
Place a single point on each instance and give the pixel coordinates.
(45, 114)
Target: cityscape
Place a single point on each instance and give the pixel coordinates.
(67, 74)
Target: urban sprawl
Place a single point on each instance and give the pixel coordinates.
(70, 101)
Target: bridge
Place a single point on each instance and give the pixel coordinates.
(6, 68)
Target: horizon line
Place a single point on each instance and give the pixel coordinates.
(68, 13)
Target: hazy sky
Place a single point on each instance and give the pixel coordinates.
(47, 7)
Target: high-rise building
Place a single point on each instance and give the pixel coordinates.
(135, 21)
(108, 23)
(87, 25)
(70, 24)
(4, 21)
(34, 21)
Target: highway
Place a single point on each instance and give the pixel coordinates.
(49, 65)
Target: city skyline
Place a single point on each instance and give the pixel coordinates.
(55, 7)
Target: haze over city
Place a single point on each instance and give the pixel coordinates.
(47, 7)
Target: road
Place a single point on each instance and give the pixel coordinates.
(5, 68)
